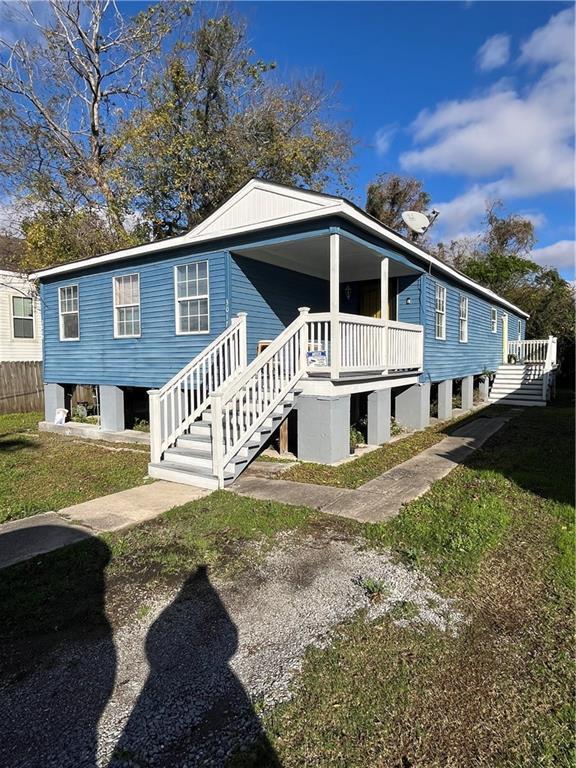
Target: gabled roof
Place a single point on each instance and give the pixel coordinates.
(262, 204)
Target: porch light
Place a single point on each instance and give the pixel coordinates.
(348, 292)
(408, 300)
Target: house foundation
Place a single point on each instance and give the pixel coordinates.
(413, 406)
(323, 428)
(54, 397)
(445, 391)
(484, 387)
(379, 416)
(467, 393)
(111, 409)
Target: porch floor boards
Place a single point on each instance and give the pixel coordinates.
(381, 498)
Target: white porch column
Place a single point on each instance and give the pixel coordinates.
(335, 305)
(384, 289)
(384, 312)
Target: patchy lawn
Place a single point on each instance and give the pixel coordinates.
(369, 466)
(61, 594)
(40, 471)
(497, 535)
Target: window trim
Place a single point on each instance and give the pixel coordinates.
(519, 330)
(177, 299)
(493, 319)
(463, 302)
(124, 306)
(61, 314)
(20, 317)
(442, 288)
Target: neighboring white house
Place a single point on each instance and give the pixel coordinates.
(20, 321)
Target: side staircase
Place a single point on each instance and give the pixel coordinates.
(529, 376)
(212, 418)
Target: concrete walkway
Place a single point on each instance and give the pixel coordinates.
(23, 539)
(383, 497)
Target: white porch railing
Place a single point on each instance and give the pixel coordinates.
(366, 344)
(542, 351)
(181, 400)
(240, 407)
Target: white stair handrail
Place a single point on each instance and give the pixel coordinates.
(241, 406)
(182, 399)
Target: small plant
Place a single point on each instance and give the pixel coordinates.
(141, 425)
(374, 589)
(395, 428)
(356, 438)
(404, 609)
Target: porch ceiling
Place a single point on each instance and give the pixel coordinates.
(311, 256)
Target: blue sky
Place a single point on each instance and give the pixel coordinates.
(476, 99)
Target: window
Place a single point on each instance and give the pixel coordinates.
(463, 318)
(493, 320)
(192, 302)
(127, 306)
(22, 317)
(519, 330)
(69, 315)
(440, 312)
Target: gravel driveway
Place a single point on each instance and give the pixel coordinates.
(179, 687)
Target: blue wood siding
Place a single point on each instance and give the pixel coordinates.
(451, 358)
(148, 361)
(409, 290)
(271, 296)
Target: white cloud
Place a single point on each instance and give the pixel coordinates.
(513, 142)
(383, 139)
(561, 255)
(494, 53)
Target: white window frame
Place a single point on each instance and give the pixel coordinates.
(179, 299)
(463, 319)
(74, 312)
(493, 319)
(519, 330)
(440, 312)
(118, 335)
(23, 317)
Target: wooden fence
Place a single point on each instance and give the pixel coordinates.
(21, 387)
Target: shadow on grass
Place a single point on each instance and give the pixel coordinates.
(59, 668)
(16, 444)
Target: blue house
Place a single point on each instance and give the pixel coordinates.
(283, 299)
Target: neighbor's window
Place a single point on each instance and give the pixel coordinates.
(192, 302)
(519, 330)
(69, 315)
(22, 317)
(127, 306)
(463, 318)
(493, 320)
(440, 312)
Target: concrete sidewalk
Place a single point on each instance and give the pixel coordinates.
(383, 497)
(23, 539)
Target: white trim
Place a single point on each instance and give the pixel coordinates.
(462, 318)
(191, 298)
(61, 314)
(13, 317)
(339, 206)
(493, 319)
(126, 306)
(440, 291)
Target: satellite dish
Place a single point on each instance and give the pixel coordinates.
(416, 221)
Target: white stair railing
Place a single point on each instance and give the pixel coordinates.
(182, 399)
(240, 407)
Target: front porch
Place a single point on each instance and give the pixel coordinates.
(367, 330)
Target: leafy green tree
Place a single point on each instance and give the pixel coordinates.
(213, 119)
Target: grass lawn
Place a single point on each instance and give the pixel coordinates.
(497, 535)
(369, 466)
(40, 471)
